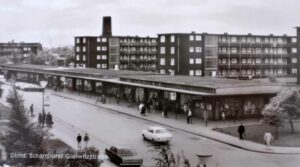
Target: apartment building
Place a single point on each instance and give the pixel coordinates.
(227, 55)
(19, 52)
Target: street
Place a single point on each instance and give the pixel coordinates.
(106, 128)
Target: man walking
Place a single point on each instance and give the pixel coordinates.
(31, 110)
(79, 138)
(241, 131)
(268, 138)
(189, 116)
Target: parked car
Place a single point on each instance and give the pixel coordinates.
(28, 87)
(157, 134)
(123, 156)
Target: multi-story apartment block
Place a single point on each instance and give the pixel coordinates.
(115, 52)
(19, 52)
(181, 54)
(227, 55)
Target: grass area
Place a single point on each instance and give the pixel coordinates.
(256, 133)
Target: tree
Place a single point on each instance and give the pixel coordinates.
(284, 107)
(23, 135)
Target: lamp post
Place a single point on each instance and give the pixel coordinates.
(43, 84)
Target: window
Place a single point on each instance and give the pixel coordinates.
(244, 61)
(98, 65)
(198, 38)
(77, 40)
(233, 39)
(294, 50)
(249, 50)
(198, 72)
(162, 61)
(280, 61)
(198, 61)
(172, 50)
(191, 61)
(98, 40)
(257, 61)
(294, 70)
(257, 39)
(266, 50)
(243, 39)
(257, 50)
(104, 39)
(266, 61)
(294, 40)
(162, 50)
(172, 61)
(162, 71)
(83, 57)
(83, 40)
(198, 49)
(77, 57)
(279, 40)
(83, 48)
(172, 38)
(104, 48)
(103, 65)
(234, 61)
(191, 72)
(244, 50)
(77, 49)
(191, 49)
(294, 60)
(98, 48)
(258, 71)
(98, 57)
(104, 57)
(224, 61)
(249, 61)
(233, 50)
(162, 39)
(191, 37)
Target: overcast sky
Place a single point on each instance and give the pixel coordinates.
(56, 22)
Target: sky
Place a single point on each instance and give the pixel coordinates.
(55, 23)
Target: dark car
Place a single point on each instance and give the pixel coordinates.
(123, 156)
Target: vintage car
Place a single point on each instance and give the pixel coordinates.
(123, 156)
(157, 134)
(28, 87)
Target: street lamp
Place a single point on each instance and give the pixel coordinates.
(43, 84)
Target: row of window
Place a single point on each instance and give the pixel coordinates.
(104, 65)
(153, 49)
(147, 41)
(172, 50)
(256, 72)
(98, 40)
(162, 61)
(192, 37)
(152, 65)
(257, 61)
(257, 50)
(280, 40)
(133, 57)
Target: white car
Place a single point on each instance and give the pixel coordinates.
(28, 87)
(157, 134)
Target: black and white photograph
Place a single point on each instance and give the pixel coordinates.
(149, 83)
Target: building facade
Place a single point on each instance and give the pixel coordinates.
(19, 52)
(227, 55)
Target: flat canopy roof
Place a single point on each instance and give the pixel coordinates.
(205, 82)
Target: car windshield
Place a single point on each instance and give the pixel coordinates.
(161, 131)
(126, 152)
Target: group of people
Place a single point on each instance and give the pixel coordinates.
(45, 119)
(86, 138)
(267, 136)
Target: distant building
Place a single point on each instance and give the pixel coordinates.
(194, 54)
(19, 52)
(227, 55)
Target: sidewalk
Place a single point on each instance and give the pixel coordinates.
(197, 128)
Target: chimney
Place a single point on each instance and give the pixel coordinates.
(106, 26)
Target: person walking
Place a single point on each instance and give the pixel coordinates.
(86, 139)
(49, 120)
(223, 115)
(241, 131)
(189, 116)
(103, 99)
(31, 110)
(118, 98)
(268, 138)
(205, 117)
(79, 138)
(40, 119)
(98, 99)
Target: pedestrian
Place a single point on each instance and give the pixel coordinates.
(79, 138)
(223, 115)
(86, 139)
(268, 138)
(241, 131)
(49, 120)
(189, 116)
(98, 99)
(118, 98)
(205, 117)
(40, 119)
(43, 120)
(103, 99)
(31, 110)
